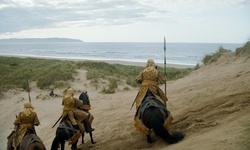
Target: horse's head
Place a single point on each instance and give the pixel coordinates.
(84, 98)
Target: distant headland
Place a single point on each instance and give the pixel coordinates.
(40, 40)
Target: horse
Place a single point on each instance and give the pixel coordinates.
(153, 115)
(66, 132)
(30, 141)
(85, 100)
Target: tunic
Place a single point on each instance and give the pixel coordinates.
(25, 122)
(150, 78)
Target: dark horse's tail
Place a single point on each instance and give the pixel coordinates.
(155, 121)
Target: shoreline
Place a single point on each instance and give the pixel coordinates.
(180, 66)
(122, 62)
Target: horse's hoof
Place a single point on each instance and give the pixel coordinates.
(149, 139)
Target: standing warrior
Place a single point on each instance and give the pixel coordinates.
(150, 78)
(25, 122)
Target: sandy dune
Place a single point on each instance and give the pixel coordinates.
(211, 106)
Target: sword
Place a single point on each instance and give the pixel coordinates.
(134, 101)
(57, 121)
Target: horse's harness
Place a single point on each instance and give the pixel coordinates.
(152, 101)
(68, 127)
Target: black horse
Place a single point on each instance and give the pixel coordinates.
(85, 100)
(64, 132)
(30, 141)
(154, 115)
(67, 132)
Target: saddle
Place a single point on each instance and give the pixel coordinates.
(151, 101)
(27, 140)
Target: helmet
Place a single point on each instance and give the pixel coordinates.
(150, 63)
(70, 92)
(28, 105)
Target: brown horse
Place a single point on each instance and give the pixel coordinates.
(29, 142)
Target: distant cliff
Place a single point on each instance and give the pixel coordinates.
(40, 40)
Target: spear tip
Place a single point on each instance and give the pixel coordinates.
(164, 43)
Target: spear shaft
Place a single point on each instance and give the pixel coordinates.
(165, 66)
(28, 88)
(27, 82)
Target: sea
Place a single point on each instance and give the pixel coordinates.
(176, 53)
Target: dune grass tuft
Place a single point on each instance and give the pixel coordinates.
(245, 50)
(208, 59)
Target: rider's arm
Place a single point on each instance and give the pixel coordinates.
(139, 78)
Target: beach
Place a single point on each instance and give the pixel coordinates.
(126, 52)
(122, 62)
(211, 106)
(144, 64)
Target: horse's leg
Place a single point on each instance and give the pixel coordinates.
(62, 144)
(55, 144)
(91, 137)
(82, 138)
(149, 140)
(74, 146)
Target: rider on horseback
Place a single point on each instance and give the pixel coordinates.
(25, 122)
(70, 109)
(150, 78)
(151, 113)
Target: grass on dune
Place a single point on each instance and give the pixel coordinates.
(49, 73)
(241, 51)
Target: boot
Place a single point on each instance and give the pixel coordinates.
(87, 125)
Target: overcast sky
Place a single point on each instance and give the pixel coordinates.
(209, 21)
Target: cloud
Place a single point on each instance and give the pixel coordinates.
(24, 16)
(21, 15)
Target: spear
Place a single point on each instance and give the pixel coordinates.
(28, 87)
(165, 65)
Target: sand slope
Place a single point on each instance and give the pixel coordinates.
(211, 106)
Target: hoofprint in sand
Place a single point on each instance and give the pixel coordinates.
(211, 106)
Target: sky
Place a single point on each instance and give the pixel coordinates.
(201, 21)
